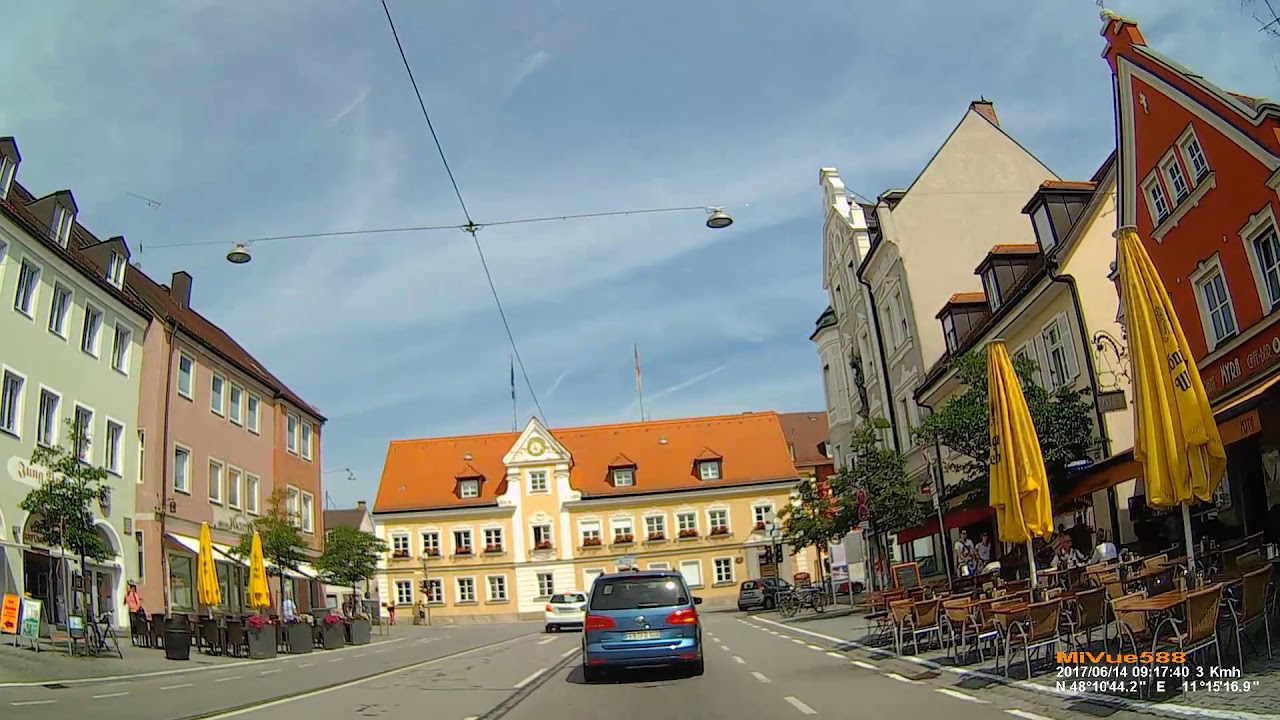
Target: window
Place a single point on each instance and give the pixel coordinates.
(49, 420)
(949, 333)
(59, 308)
(723, 568)
(709, 469)
(91, 330)
(251, 414)
(900, 329)
(537, 481)
(466, 590)
(1028, 352)
(542, 537)
(430, 543)
(28, 281)
(1157, 201)
(1266, 250)
(60, 230)
(7, 168)
(1059, 353)
(291, 433)
(115, 269)
(292, 506)
(1043, 227)
(546, 584)
(84, 433)
(435, 591)
(497, 588)
(1177, 180)
(1194, 156)
(308, 512)
(655, 527)
(114, 450)
(142, 454)
(904, 423)
(11, 403)
(404, 592)
(182, 581)
(138, 539)
(590, 532)
(762, 514)
(658, 566)
(234, 478)
(120, 349)
(234, 401)
(623, 531)
(306, 441)
(399, 545)
(186, 371)
(493, 540)
(1216, 305)
(991, 288)
(692, 572)
(216, 387)
(624, 477)
(215, 482)
(468, 488)
(461, 542)
(687, 524)
(718, 521)
(829, 387)
(182, 470)
(251, 485)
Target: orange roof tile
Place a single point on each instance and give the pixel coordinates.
(1015, 249)
(805, 431)
(421, 474)
(965, 298)
(1069, 185)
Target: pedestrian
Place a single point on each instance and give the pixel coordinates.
(391, 613)
(983, 548)
(964, 554)
(133, 601)
(289, 609)
(1104, 551)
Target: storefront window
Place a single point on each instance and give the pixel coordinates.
(224, 586)
(182, 582)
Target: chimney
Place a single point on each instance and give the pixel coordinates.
(180, 288)
(362, 505)
(986, 109)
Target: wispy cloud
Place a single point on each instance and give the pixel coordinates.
(530, 66)
(551, 391)
(351, 106)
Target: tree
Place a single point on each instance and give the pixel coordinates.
(350, 556)
(1062, 418)
(812, 518)
(281, 538)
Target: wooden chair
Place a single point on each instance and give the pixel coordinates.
(925, 620)
(900, 614)
(1253, 608)
(1198, 630)
(1131, 625)
(1090, 615)
(1155, 561)
(237, 640)
(1037, 629)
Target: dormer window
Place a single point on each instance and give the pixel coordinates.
(1055, 208)
(60, 228)
(1003, 269)
(991, 286)
(1043, 227)
(115, 269)
(949, 332)
(468, 488)
(709, 469)
(624, 477)
(7, 169)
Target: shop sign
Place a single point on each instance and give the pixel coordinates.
(1239, 428)
(1112, 401)
(1251, 358)
(21, 470)
(232, 522)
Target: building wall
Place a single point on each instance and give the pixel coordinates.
(298, 467)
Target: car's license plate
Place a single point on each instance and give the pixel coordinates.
(643, 635)
(566, 610)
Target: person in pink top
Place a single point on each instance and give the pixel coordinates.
(132, 600)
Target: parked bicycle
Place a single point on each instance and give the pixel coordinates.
(811, 597)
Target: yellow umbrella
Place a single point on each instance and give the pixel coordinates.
(1174, 434)
(1019, 490)
(207, 590)
(259, 590)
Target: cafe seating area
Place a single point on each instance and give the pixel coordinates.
(228, 635)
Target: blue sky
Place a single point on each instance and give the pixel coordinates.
(252, 119)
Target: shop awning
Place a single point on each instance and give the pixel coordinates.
(1245, 402)
(955, 518)
(1108, 473)
(192, 545)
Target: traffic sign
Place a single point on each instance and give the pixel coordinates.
(863, 513)
(861, 496)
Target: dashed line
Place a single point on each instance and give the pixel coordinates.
(531, 678)
(177, 687)
(797, 641)
(109, 695)
(306, 665)
(724, 648)
(961, 696)
(33, 702)
(739, 660)
(229, 678)
(570, 652)
(361, 654)
(795, 702)
(269, 672)
(864, 665)
(836, 655)
(471, 717)
(546, 640)
(336, 660)
(902, 678)
(814, 647)
(761, 677)
(1027, 715)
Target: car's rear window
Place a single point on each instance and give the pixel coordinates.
(751, 585)
(638, 593)
(569, 598)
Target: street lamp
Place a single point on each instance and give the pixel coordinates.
(239, 255)
(717, 219)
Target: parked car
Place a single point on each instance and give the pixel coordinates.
(565, 610)
(761, 593)
(641, 619)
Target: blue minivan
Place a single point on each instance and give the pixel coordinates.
(640, 620)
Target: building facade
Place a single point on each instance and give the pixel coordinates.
(1199, 173)
(71, 351)
(488, 527)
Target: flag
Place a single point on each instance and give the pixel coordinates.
(639, 386)
(513, 377)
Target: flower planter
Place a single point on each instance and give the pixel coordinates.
(262, 642)
(359, 632)
(333, 636)
(298, 639)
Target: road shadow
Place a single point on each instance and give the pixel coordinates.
(638, 676)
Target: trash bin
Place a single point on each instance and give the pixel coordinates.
(177, 639)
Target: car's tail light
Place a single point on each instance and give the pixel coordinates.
(550, 609)
(597, 622)
(687, 616)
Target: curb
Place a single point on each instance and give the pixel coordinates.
(1110, 701)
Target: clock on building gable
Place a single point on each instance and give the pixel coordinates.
(536, 446)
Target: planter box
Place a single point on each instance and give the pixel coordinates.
(262, 643)
(298, 639)
(333, 637)
(359, 632)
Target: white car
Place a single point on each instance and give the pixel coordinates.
(566, 610)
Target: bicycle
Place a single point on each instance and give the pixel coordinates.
(791, 602)
(97, 634)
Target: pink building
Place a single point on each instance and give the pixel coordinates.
(214, 428)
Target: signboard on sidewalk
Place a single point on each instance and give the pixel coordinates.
(30, 627)
(9, 614)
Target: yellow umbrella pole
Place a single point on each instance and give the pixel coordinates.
(1031, 560)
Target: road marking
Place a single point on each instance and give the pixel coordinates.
(361, 654)
(176, 687)
(1027, 715)
(795, 702)
(547, 640)
(836, 655)
(797, 641)
(739, 660)
(336, 660)
(305, 665)
(33, 702)
(961, 696)
(901, 678)
(864, 665)
(724, 648)
(471, 717)
(269, 672)
(228, 678)
(761, 677)
(814, 647)
(571, 651)
(537, 674)
(121, 694)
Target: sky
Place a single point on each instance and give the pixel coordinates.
(252, 119)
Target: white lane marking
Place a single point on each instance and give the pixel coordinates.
(961, 696)
(228, 678)
(361, 654)
(864, 665)
(305, 665)
(814, 647)
(269, 672)
(836, 655)
(571, 651)
(795, 702)
(739, 660)
(547, 640)
(33, 702)
(1027, 715)
(724, 648)
(797, 641)
(900, 678)
(336, 660)
(471, 717)
(761, 677)
(176, 687)
(109, 695)
(537, 674)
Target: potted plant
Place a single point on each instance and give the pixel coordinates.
(350, 557)
(359, 630)
(262, 637)
(333, 633)
(298, 639)
(592, 542)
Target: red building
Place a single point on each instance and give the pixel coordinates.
(1199, 176)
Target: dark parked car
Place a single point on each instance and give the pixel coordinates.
(761, 593)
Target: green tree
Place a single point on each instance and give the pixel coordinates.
(350, 556)
(281, 537)
(880, 472)
(1063, 420)
(811, 519)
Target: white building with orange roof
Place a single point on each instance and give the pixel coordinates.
(486, 528)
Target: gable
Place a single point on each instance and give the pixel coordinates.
(536, 445)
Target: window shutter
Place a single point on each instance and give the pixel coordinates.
(1069, 347)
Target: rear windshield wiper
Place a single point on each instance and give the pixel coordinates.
(646, 605)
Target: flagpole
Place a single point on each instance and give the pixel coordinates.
(639, 384)
(515, 422)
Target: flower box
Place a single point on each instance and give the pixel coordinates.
(399, 554)
(592, 542)
(760, 525)
(492, 550)
(719, 531)
(262, 641)
(544, 545)
(298, 639)
(431, 553)
(623, 539)
(462, 551)
(333, 635)
(657, 537)
(359, 631)
(688, 533)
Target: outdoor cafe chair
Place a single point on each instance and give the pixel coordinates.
(1090, 615)
(1036, 629)
(157, 630)
(900, 614)
(139, 632)
(925, 620)
(1198, 628)
(1253, 606)
(237, 640)
(210, 636)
